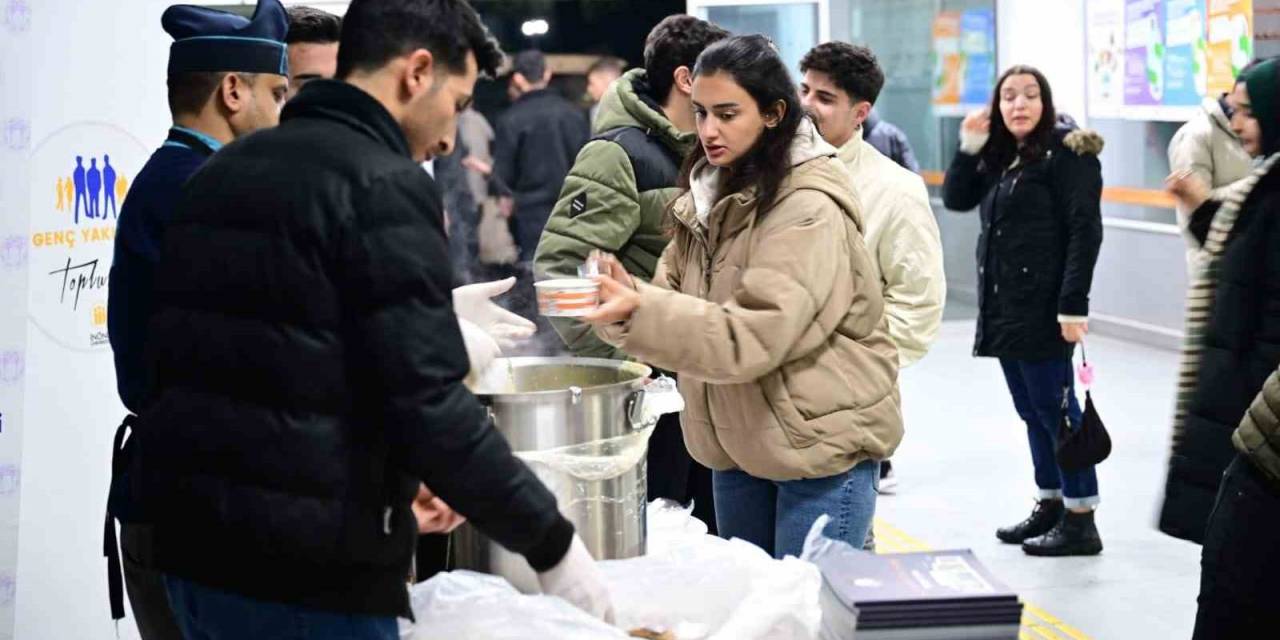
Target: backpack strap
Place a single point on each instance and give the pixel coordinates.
(656, 165)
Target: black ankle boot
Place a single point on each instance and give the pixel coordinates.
(1076, 535)
(1045, 515)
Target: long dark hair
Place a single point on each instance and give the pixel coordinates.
(1002, 147)
(754, 64)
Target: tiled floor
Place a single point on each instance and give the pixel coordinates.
(964, 470)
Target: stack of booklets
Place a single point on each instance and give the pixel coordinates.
(933, 595)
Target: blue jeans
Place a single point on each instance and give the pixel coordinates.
(776, 516)
(204, 613)
(1036, 387)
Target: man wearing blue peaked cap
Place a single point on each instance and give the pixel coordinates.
(227, 77)
(212, 40)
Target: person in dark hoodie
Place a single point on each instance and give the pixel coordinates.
(1229, 386)
(1039, 184)
(888, 139)
(308, 366)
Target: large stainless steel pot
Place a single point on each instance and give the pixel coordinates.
(580, 424)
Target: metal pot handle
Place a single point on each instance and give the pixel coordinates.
(635, 411)
(662, 393)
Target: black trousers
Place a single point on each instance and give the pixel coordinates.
(1240, 562)
(432, 556)
(145, 586)
(673, 474)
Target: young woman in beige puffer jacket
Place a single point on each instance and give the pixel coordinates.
(768, 306)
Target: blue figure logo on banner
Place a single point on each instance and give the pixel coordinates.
(95, 189)
(78, 176)
(108, 187)
(98, 192)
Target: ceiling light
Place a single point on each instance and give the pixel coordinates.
(537, 27)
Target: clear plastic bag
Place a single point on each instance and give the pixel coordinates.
(697, 586)
(476, 606)
(838, 620)
(705, 588)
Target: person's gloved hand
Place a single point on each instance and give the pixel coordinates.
(577, 579)
(474, 302)
(482, 349)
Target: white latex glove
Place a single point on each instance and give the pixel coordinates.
(474, 302)
(578, 580)
(482, 349)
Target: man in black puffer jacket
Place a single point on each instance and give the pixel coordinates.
(307, 363)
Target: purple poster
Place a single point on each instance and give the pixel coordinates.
(1144, 53)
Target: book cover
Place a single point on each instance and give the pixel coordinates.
(864, 580)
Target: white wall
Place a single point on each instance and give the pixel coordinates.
(15, 101)
(1048, 34)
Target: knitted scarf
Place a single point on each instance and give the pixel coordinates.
(1203, 289)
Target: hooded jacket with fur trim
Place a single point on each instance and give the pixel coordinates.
(775, 323)
(1041, 233)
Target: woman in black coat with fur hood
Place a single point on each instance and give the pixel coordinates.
(1038, 183)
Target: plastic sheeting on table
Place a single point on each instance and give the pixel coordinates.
(697, 586)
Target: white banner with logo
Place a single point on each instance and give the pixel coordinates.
(84, 105)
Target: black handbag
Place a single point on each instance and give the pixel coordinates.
(1088, 445)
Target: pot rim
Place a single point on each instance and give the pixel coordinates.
(643, 373)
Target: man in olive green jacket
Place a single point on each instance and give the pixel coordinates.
(603, 204)
(615, 196)
(614, 199)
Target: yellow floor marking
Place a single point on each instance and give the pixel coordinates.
(1039, 630)
(1058, 625)
(890, 539)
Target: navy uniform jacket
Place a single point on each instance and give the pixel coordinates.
(146, 213)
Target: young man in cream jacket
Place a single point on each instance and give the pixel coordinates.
(840, 85)
(1208, 148)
